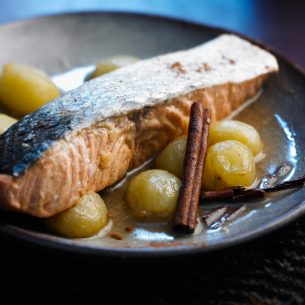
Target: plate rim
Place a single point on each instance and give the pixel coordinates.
(149, 252)
(177, 250)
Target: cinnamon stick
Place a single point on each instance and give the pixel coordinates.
(185, 220)
(299, 182)
(233, 193)
(239, 192)
(226, 193)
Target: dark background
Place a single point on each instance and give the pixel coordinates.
(275, 22)
(270, 270)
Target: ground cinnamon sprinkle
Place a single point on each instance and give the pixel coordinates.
(116, 236)
(207, 67)
(204, 68)
(167, 245)
(231, 61)
(111, 216)
(178, 67)
(129, 228)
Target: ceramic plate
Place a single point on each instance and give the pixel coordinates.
(66, 47)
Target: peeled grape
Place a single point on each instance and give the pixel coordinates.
(172, 157)
(153, 195)
(85, 219)
(112, 64)
(6, 122)
(228, 163)
(236, 130)
(24, 89)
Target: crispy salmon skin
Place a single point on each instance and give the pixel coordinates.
(88, 139)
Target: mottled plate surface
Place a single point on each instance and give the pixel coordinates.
(62, 43)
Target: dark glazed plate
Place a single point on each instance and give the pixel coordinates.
(60, 43)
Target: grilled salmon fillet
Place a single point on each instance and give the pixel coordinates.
(90, 137)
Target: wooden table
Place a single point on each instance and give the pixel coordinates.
(270, 270)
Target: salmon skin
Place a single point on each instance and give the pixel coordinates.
(119, 120)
